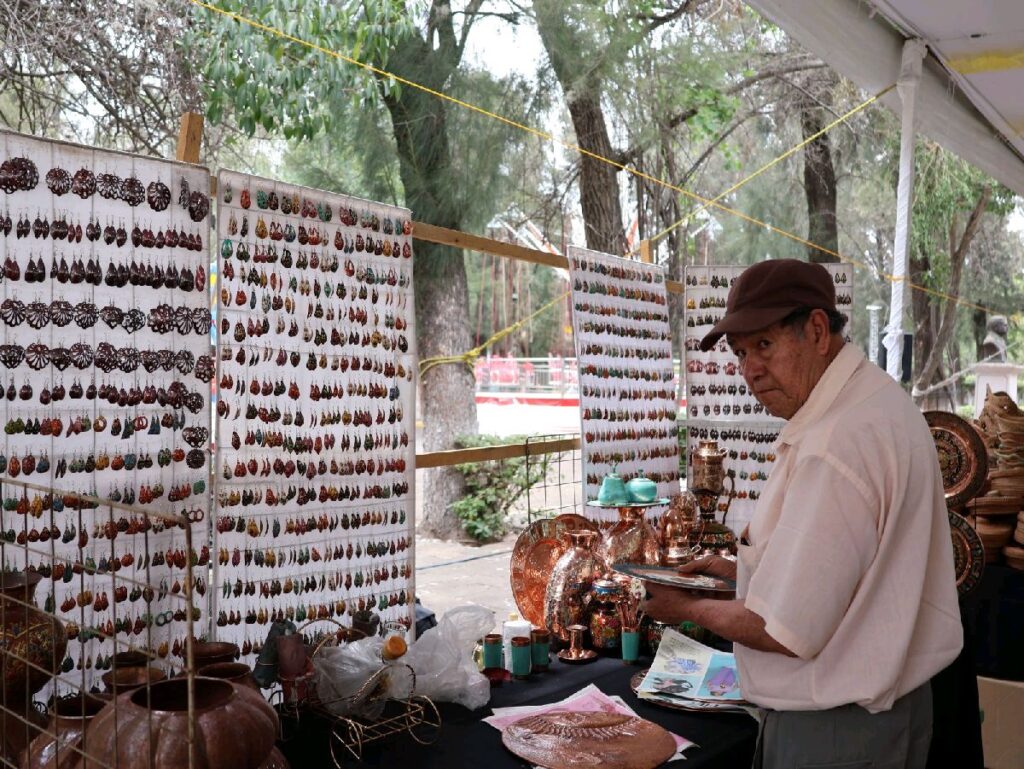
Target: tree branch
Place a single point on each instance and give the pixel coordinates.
(957, 259)
(630, 155)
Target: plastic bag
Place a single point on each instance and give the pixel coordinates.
(341, 671)
(443, 658)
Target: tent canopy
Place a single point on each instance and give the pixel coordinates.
(971, 95)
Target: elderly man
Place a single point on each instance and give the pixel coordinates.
(846, 603)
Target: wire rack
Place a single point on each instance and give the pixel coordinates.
(349, 735)
(554, 478)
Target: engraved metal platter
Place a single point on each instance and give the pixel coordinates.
(968, 554)
(963, 458)
(575, 740)
(533, 559)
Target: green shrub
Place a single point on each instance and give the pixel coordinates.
(493, 487)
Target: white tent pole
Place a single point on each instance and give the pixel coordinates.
(914, 52)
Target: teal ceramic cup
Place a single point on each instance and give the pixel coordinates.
(540, 644)
(521, 656)
(492, 651)
(630, 645)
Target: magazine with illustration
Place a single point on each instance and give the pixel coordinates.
(688, 670)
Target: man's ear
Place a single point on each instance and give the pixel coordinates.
(821, 334)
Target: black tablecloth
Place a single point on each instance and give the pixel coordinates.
(994, 612)
(725, 741)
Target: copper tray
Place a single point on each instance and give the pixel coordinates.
(576, 740)
(533, 558)
(963, 458)
(968, 554)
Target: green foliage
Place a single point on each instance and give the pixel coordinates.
(271, 83)
(493, 487)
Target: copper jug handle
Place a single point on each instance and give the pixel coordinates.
(732, 493)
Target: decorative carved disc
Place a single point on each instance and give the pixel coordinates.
(963, 458)
(968, 554)
(575, 740)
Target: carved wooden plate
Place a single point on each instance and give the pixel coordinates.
(576, 740)
(968, 554)
(963, 458)
(533, 557)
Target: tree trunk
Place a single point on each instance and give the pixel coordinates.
(819, 186)
(442, 291)
(599, 181)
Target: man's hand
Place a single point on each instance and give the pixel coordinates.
(715, 565)
(668, 604)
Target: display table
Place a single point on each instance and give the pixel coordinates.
(994, 613)
(725, 740)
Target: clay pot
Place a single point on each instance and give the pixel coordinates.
(26, 634)
(70, 717)
(236, 672)
(131, 659)
(291, 655)
(120, 680)
(234, 727)
(210, 652)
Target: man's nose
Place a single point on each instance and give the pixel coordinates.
(751, 369)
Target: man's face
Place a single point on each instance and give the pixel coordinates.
(779, 366)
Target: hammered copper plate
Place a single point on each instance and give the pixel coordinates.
(533, 558)
(968, 554)
(576, 740)
(963, 458)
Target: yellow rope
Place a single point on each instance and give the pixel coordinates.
(772, 163)
(576, 148)
(469, 357)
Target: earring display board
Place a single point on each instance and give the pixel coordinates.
(719, 404)
(627, 396)
(316, 409)
(106, 366)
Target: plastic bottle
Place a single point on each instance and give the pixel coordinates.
(510, 629)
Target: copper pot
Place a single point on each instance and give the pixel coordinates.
(678, 528)
(571, 578)
(58, 746)
(236, 672)
(233, 726)
(630, 540)
(33, 644)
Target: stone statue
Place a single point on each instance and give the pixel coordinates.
(993, 347)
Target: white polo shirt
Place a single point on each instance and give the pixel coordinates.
(850, 562)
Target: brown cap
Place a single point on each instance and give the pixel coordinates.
(767, 292)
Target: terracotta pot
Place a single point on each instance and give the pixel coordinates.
(234, 727)
(210, 652)
(30, 639)
(131, 659)
(70, 717)
(120, 680)
(291, 655)
(571, 578)
(236, 672)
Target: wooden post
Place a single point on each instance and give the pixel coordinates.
(645, 251)
(190, 137)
